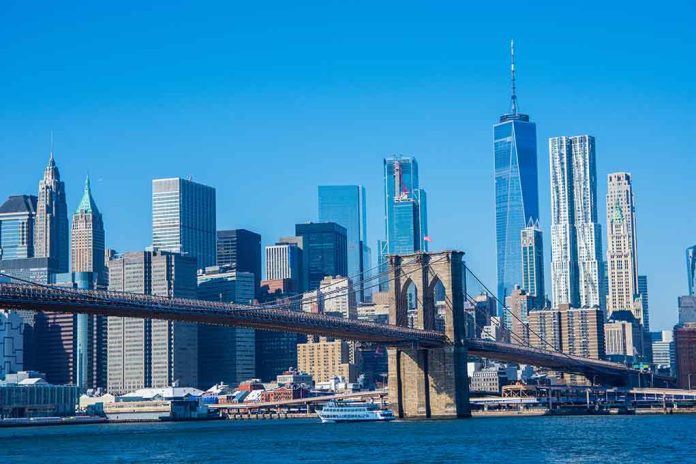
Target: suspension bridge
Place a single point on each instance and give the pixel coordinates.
(427, 367)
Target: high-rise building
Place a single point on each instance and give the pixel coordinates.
(335, 296)
(183, 219)
(533, 264)
(51, 228)
(241, 250)
(516, 189)
(663, 350)
(12, 336)
(622, 262)
(583, 332)
(545, 329)
(685, 346)
(687, 308)
(87, 245)
(17, 217)
(152, 353)
(225, 354)
(691, 269)
(576, 239)
(405, 209)
(623, 337)
(324, 251)
(518, 303)
(345, 205)
(284, 261)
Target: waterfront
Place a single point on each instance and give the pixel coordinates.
(535, 439)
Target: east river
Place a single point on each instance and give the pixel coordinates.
(578, 439)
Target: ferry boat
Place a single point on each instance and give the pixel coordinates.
(343, 411)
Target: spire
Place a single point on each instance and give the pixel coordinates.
(513, 98)
(87, 203)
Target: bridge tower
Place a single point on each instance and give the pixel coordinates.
(428, 382)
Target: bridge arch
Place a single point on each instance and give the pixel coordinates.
(429, 382)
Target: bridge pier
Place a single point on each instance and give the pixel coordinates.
(428, 382)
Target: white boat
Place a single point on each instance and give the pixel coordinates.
(343, 411)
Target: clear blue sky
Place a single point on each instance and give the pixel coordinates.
(265, 102)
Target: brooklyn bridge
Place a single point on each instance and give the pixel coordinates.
(427, 367)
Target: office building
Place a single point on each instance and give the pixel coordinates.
(225, 354)
(17, 217)
(146, 353)
(576, 246)
(516, 190)
(324, 250)
(685, 346)
(533, 264)
(691, 269)
(183, 219)
(345, 205)
(687, 308)
(51, 228)
(623, 338)
(241, 250)
(87, 244)
(324, 359)
(405, 211)
(518, 303)
(663, 351)
(12, 347)
(284, 261)
(622, 261)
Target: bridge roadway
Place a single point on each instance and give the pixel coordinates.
(102, 303)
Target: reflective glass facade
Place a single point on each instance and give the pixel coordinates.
(516, 194)
(324, 249)
(691, 269)
(345, 205)
(17, 227)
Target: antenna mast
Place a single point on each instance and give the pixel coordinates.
(512, 76)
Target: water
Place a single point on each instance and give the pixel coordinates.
(587, 439)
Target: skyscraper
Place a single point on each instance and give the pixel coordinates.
(240, 249)
(152, 353)
(51, 239)
(183, 219)
(225, 354)
(17, 217)
(324, 250)
(622, 262)
(533, 264)
(691, 269)
(284, 261)
(87, 240)
(345, 205)
(576, 246)
(516, 190)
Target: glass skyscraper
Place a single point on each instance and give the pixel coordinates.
(345, 205)
(324, 250)
(241, 250)
(691, 269)
(17, 227)
(183, 219)
(533, 264)
(405, 211)
(516, 190)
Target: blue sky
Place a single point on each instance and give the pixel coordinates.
(264, 101)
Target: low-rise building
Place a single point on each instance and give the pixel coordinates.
(489, 380)
(27, 394)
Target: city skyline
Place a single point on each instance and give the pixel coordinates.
(127, 228)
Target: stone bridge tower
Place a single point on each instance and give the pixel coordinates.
(428, 382)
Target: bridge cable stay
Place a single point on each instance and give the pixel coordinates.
(505, 308)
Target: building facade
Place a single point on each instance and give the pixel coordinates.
(622, 260)
(51, 228)
(533, 264)
(87, 244)
(324, 359)
(12, 347)
(685, 346)
(241, 250)
(346, 205)
(324, 250)
(516, 190)
(183, 219)
(576, 239)
(284, 261)
(225, 354)
(145, 353)
(17, 217)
